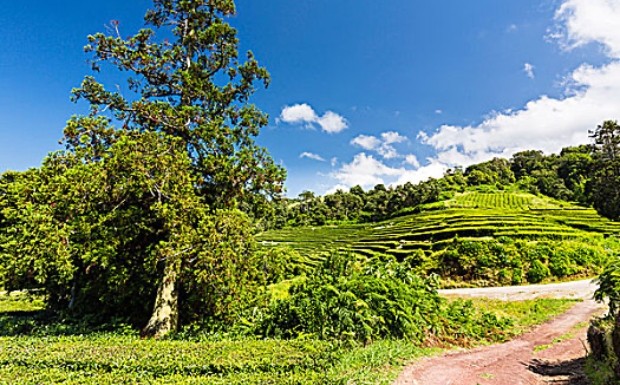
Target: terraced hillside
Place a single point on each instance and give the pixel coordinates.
(482, 217)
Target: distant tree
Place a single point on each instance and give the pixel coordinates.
(478, 177)
(357, 190)
(455, 177)
(606, 169)
(306, 196)
(548, 182)
(525, 162)
(575, 168)
(497, 170)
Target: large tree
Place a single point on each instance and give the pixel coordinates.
(187, 82)
(141, 208)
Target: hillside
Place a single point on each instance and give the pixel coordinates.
(489, 236)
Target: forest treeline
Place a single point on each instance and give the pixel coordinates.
(583, 174)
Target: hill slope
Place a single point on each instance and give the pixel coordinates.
(489, 237)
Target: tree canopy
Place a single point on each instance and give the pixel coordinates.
(139, 216)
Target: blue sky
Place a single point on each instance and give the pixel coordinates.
(362, 91)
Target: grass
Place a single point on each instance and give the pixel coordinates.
(49, 355)
(525, 314)
(18, 302)
(555, 341)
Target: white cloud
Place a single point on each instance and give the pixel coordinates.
(334, 161)
(310, 155)
(366, 171)
(412, 160)
(438, 112)
(298, 113)
(529, 70)
(388, 152)
(367, 142)
(382, 146)
(511, 28)
(432, 170)
(393, 137)
(330, 122)
(581, 22)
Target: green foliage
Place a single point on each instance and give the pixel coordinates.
(142, 211)
(343, 300)
(224, 274)
(604, 183)
(609, 286)
(600, 370)
(346, 300)
(537, 272)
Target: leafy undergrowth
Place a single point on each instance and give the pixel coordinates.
(54, 354)
(525, 313)
(19, 303)
(600, 372)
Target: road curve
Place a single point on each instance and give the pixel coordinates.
(515, 362)
(583, 289)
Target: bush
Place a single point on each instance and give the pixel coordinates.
(560, 264)
(609, 286)
(345, 300)
(537, 272)
(517, 276)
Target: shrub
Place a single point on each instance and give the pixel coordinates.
(346, 300)
(560, 264)
(537, 272)
(609, 286)
(517, 276)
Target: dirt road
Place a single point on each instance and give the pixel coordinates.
(549, 354)
(577, 289)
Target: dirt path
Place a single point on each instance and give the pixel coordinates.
(576, 289)
(549, 354)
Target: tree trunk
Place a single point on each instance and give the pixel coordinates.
(165, 316)
(598, 345)
(73, 294)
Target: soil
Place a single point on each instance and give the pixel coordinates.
(552, 353)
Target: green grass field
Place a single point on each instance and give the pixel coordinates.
(56, 354)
